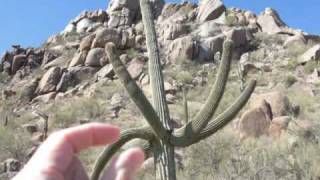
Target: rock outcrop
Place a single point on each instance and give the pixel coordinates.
(86, 43)
(171, 31)
(19, 58)
(279, 125)
(29, 90)
(78, 59)
(269, 114)
(210, 46)
(105, 35)
(312, 54)
(270, 22)
(96, 58)
(280, 104)
(256, 121)
(86, 22)
(18, 62)
(240, 36)
(105, 72)
(210, 10)
(123, 13)
(127, 12)
(183, 48)
(135, 68)
(49, 81)
(178, 13)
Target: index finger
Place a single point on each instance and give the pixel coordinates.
(85, 136)
(59, 149)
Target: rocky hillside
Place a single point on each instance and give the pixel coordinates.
(69, 81)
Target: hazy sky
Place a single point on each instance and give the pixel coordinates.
(31, 22)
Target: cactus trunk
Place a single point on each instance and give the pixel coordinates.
(164, 152)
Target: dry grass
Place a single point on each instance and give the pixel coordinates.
(14, 143)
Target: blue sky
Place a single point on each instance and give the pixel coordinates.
(31, 22)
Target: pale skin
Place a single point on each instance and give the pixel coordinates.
(56, 158)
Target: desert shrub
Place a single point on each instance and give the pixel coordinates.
(6, 110)
(231, 20)
(268, 39)
(223, 157)
(183, 71)
(290, 80)
(292, 64)
(204, 159)
(296, 49)
(258, 55)
(310, 66)
(184, 64)
(132, 53)
(3, 78)
(14, 143)
(73, 37)
(184, 77)
(64, 114)
(309, 105)
(58, 40)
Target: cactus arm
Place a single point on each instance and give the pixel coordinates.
(165, 157)
(147, 149)
(205, 114)
(219, 122)
(194, 127)
(225, 117)
(108, 152)
(136, 93)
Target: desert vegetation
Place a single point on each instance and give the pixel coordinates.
(171, 66)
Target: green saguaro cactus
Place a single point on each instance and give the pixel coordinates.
(161, 138)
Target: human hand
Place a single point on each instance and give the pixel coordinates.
(56, 158)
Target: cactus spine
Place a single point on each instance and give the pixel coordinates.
(160, 136)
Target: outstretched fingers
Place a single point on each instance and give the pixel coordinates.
(95, 134)
(58, 151)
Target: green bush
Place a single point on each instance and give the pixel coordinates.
(132, 53)
(296, 49)
(309, 104)
(184, 77)
(70, 112)
(268, 39)
(290, 80)
(310, 66)
(231, 20)
(223, 157)
(292, 64)
(14, 143)
(4, 77)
